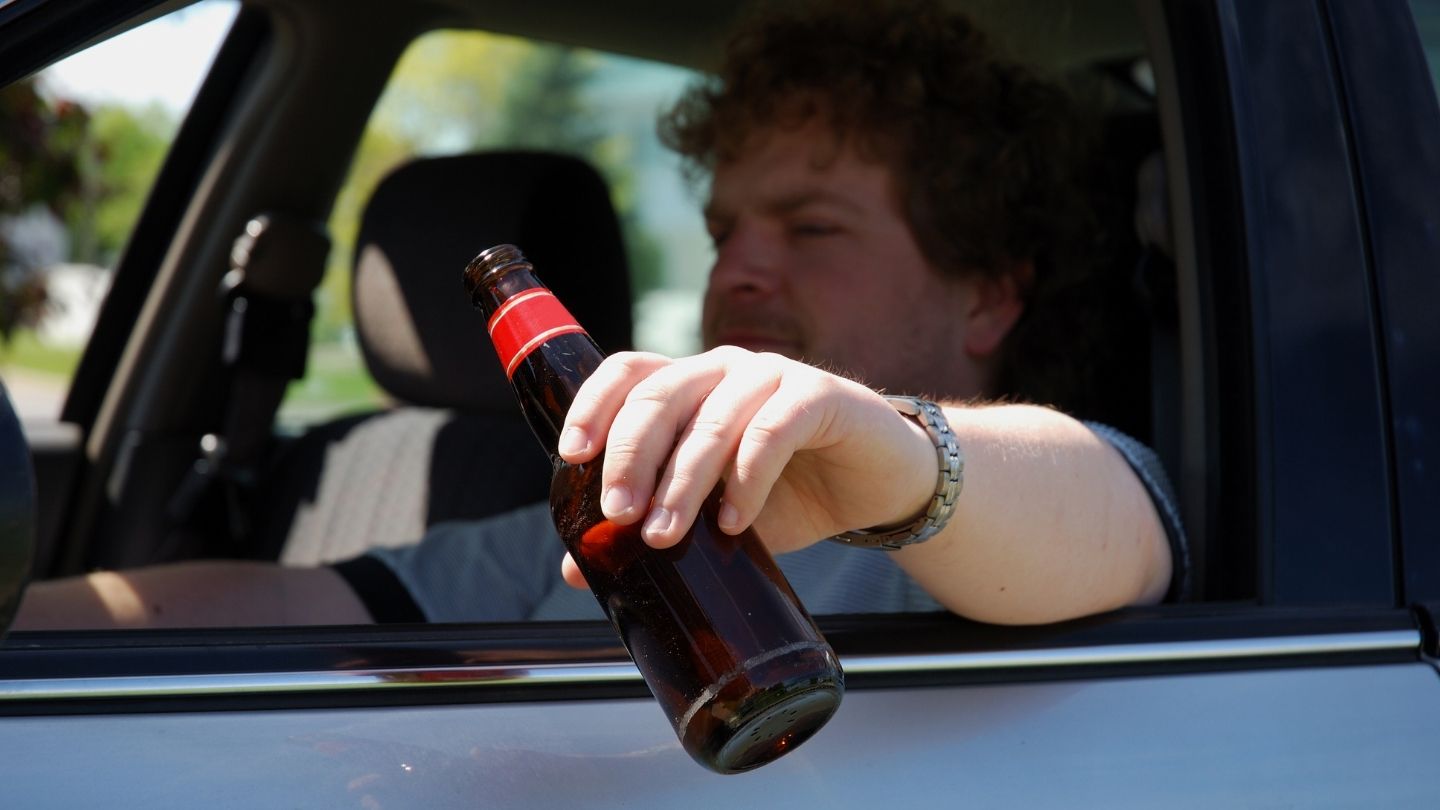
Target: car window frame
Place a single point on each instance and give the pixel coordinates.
(1319, 536)
(229, 669)
(1397, 173)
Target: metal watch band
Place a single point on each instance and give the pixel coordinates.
(947, 486)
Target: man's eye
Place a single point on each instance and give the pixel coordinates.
(806, 229)
(717, 237)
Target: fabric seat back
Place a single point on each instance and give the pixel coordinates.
(454, 445)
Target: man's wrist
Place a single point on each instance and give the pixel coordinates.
(947, 482)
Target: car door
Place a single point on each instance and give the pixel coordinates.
(1301, 676)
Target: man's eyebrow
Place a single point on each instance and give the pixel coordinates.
(801, 199)
(791, 201)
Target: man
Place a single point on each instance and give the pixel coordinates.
(888, 201)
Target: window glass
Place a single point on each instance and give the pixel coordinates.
(1427, 22)
(80, 145)
(459, 91)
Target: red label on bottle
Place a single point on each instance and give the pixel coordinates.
(523, 324)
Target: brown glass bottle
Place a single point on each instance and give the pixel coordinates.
(722, 641)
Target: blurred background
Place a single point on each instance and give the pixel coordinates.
(81, 143)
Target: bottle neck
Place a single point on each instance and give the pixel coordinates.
(493, 282)
(547, 382)
(544, 351)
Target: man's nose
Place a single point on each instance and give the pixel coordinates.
(748, 260)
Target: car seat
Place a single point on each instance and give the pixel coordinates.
(454, 445)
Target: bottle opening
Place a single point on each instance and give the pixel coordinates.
(491, 260)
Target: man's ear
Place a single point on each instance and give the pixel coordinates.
(995, 305)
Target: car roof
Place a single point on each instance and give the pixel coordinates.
(1058, 34)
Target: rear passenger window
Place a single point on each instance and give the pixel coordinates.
(80, 145)
(463, 91)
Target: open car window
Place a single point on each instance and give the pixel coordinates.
(455, 92)
(363, 458)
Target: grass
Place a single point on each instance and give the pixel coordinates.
(27, 351)
(336, 382)
(329, 392)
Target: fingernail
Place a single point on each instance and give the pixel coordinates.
(616, 500)
(572, 441)
(658, 522)
(729, 517)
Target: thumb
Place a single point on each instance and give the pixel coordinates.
(570, 572)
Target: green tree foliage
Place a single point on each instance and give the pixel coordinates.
(91, 170)
(546, 107)
(441, 98)
(126, 148)
(41, 146)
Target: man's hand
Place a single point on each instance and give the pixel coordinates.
(804, 454)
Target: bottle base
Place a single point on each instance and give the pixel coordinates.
(764, 708)
(775, 730)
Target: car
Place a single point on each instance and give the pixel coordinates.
(1284, 164)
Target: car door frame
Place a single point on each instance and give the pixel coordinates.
(1397, 170)
(1309, 607)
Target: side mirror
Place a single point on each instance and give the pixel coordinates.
(17, 512)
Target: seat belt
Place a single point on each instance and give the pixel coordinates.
(275, 266)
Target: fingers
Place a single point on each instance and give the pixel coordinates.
(642, 434)
(669, 430)
(706, 444)
(570, 572)
(780, 427)
(598, 400)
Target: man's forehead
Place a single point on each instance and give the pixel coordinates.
(796, 167)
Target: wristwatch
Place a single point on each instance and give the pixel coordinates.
(947, 486)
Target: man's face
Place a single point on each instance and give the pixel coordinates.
(815, 262)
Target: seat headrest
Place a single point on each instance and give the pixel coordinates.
(420, 338)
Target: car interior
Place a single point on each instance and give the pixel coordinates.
(177, 456)
(454, 446)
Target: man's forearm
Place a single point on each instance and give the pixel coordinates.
(1051, 523)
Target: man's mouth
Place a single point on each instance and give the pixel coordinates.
(757, 329)
(758, 334)
(759, 342)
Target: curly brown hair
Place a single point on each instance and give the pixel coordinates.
(987, 156)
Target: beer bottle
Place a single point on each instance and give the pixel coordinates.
(733, 659)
